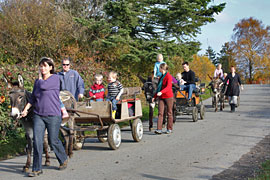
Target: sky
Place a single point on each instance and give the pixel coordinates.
(217, 33)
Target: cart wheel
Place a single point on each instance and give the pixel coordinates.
(195, 114)
(114, 136)
(102, 136)
(137, 130)
(202, 111)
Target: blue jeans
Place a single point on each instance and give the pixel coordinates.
(114, 102)
(52, 123)
(189, 88)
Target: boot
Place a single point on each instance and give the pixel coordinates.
(232, 107)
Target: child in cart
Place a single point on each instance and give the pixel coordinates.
(115, 90)
(97, 91)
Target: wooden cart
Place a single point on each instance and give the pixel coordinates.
(97, 116)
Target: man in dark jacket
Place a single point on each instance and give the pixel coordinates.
(189, 80)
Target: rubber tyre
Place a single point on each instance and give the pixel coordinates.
(101, 134)
(137, 130)
(202, 111)
(195, 114)
(114, 136)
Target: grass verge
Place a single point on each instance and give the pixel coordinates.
(264, 174)
(14, 147)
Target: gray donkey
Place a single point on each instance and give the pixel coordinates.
(19, 97)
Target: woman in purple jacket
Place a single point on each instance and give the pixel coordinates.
(47, 115)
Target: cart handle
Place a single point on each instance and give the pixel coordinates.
(75, 111)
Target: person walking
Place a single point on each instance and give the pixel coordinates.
(71, 80)
(233, 83)
(165, 94)
(47, 115)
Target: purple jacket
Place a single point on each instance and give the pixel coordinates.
(174, 80)
(45, 96)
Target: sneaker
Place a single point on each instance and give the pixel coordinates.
(158, 131)
(35, 173)
(63, 166)
(168, 131)
(113, 114)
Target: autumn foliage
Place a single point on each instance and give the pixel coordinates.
(251, 49)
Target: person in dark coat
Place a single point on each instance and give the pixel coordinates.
(233, 83)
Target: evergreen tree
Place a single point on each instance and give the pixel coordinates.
(211, 54)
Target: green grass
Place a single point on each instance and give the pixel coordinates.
(12, 148)
(207, 94)
(264, 174)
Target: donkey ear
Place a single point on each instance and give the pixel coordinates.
(20, 80)
(210, 77)
(8, 84)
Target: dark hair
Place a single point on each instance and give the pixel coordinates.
(49, 61)
(185, 63)
(163, 66)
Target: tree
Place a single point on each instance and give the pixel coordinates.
(30, 29)
(250, 45)
(153, 26)
(202, 66)
(226, 57)
(211, 54)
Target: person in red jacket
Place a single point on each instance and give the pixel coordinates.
(97, 91)
(165, 94)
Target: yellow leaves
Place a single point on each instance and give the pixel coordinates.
(202, 66)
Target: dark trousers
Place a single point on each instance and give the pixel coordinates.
(52, 124)
(161, 106)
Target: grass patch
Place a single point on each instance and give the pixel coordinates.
(207, 94)
(264, 174)
(14, 147)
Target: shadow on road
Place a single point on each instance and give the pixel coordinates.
(156, 177)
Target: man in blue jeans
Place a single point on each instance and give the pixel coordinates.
(189, 80)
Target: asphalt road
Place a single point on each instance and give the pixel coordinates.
(193, 151)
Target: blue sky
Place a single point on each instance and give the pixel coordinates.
(217, 33)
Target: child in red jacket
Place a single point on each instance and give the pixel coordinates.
(97, 91)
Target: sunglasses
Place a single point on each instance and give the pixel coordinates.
(65, 64)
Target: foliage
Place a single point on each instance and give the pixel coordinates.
(202, 66)
(251, 48)
(31, 29)
(226, 58)
(211, 54)
(264, 173)
(14, 146)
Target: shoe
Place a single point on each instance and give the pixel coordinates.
(64, 113)
(113, 114)
(232, 108)
(63, 166)
(168, 131)
(158, 131)
(34, 173)
(189, 103)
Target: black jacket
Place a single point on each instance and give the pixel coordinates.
(233, 88)
(189, 77)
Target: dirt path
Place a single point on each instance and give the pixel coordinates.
(200, 150)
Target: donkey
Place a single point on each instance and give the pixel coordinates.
(19, 97)
(150, 87)
(217, 97)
